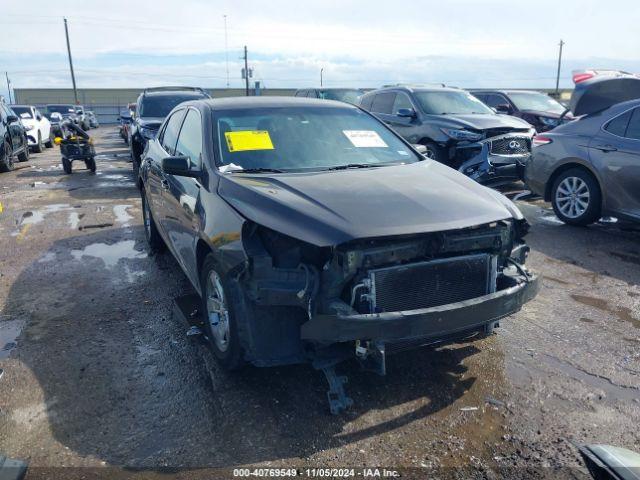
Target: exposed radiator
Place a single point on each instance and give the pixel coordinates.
(432, 283)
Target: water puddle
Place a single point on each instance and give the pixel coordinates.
(623, 313)
(110, 254)
(122, 216)
(74, 220)
(9, 332)
(552, 219)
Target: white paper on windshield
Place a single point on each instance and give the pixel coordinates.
(364, 138)
(25, 115)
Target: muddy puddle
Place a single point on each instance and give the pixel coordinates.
(110, 254)
(623, 313)
(9, 332)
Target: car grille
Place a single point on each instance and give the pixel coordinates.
(431, 284)
(511, 146)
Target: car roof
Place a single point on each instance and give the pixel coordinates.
(502, 90)
(416, 88)
(171, 91)
(21, 105)
(240, 103)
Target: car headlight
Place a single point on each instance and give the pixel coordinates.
(461, 134)
(148, 133)
(549, 122)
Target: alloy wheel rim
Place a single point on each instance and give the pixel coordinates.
(217, 312)
(430, 154)
(572, 197)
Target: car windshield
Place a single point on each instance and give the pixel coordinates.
(451, 102)
(342, 95)
(305, 138)
(161, 105)
(536, 101)
(22, 112)
(63, 109)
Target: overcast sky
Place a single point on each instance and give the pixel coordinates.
(469, 43)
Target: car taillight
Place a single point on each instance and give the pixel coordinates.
(581, 77)
(540, 140)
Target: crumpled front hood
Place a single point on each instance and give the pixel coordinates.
(330, 208)
(483, 121)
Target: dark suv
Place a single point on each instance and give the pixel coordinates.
(152, 106)
(13, 139)
(539, 109)
(456, 129)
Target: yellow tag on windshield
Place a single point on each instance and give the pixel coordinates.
(245, 140)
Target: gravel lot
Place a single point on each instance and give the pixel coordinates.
(98, 373)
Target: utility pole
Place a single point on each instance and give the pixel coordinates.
(321, 70)
(73, 77)
(6, 74)
(559, 65)
(246, 73)
(226, 48)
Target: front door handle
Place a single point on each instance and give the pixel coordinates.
(606, 148)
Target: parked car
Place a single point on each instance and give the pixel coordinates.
(313, 231)
(65, 110)
(125, 118)
(14, 139)
(538, 109)
(456, 129)
(591, 167)
(36, 125)
(349, 95)
(93, 120)
(55, 120)
(152, 107)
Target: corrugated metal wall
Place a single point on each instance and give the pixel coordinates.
(107, 103)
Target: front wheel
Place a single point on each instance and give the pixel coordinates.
(220, 307)
(576, 197)
(49, 142)
(435, 152)
(66, 166)
(24, 155)
(39, 146)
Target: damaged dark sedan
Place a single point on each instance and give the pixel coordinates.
(314, 233)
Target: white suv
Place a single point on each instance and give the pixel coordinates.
(37, 126)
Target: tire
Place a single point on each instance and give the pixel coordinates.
(38, 147)
(435, 152)
(576, 197)
(91, 164)
(224, 337)
(6, 162)
(49, 142)
(156, 244)
(66, 166)
(24, 155)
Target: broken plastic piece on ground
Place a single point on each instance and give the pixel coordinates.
(12, 469)
(468, 409)
(494, 401)
(194, 331)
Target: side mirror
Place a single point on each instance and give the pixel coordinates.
(503, 108)
(406, 113)
(12, 119)
(179, 166)
(421, 149)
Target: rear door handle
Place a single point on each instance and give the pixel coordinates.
(606, 148)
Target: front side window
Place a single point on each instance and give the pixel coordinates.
(170, 135)
(618, 126)
(494, 100)
(305, 138)
(190, 139)
(342, 95)
(402, 101)
(450, 102)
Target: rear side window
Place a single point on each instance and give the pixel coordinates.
(618, 126)
(633, 129)
(383, 102)
(190, 139)
(170, 134)
(366, 102)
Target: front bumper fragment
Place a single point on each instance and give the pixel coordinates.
(433, 322)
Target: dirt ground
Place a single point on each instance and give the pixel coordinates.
(97, 372)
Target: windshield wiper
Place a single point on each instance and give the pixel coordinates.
(257, 170)
(353, 165)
